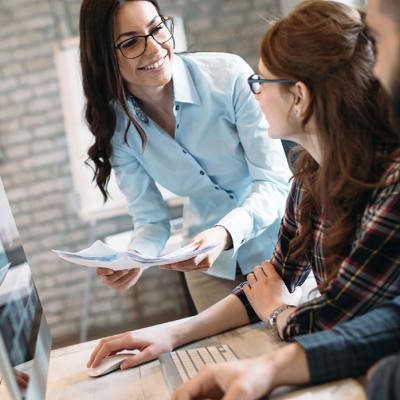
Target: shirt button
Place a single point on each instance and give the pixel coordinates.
(177, 126)
(184, 151)
(177, 107)
(231, 196)
(216, 187)
(201, 172)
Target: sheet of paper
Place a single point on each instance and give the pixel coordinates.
(101, 255)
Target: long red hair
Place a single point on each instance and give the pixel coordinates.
(326, 45)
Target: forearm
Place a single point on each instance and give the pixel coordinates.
(227, 314)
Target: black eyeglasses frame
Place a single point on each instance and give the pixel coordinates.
(252, 79)
(164, 19)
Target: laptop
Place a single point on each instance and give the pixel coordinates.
(24, 334)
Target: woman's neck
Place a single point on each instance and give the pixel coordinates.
(311, 144)
(309, 139)
(154, 98)
(157, 103)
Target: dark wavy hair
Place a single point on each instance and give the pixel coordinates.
(103, 85)
(327, 46)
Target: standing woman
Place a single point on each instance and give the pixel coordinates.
(190, 123)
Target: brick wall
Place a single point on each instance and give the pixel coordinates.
(34, 161)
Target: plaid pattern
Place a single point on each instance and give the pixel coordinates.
(368, 276)
(349, 349)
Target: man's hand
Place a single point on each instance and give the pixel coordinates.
(248, 379)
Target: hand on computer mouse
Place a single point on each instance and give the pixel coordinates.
(119, 280)
(151, 344)
(109, 364)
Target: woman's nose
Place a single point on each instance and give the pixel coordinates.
(152, 45)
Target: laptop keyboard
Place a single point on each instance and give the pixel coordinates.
(189, 362)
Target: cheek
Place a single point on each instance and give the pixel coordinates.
(263, 103)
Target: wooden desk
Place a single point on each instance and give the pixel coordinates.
(68, 380)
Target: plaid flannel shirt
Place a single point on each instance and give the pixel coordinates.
(367, 277)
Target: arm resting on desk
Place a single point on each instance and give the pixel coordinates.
(227, 314)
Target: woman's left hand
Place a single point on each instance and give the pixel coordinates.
(217, 234)
(266, 290)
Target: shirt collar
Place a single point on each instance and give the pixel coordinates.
(184, 89)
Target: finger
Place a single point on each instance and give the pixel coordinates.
(200, 386)
(246, 289)
(181, 266)
(145, 355)
(115, 277)
(106, 347)
(125, 282)
(104, 271)
(238, 391)
(269, 270)
(251, 279)
(259, 273)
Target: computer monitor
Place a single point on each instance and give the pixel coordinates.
(24, 334)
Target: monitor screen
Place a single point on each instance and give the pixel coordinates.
(24, 336)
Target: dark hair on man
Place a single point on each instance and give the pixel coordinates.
(103, 85)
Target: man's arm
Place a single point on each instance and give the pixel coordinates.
(354, 345)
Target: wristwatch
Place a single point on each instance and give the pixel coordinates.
(271, 320)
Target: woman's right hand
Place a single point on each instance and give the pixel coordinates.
(150, 342)
(119, 280)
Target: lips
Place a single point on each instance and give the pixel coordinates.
(155, 65)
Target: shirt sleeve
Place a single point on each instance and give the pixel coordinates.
(266, 162)
(367, 277)
(149, 212)
(354, 345)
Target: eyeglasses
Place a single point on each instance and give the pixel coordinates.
(135, 46)
(255, 82)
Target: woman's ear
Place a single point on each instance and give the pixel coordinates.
(302, 99)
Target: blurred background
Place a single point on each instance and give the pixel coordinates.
(41, 177)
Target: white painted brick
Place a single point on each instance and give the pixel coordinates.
(20, 96)
(13, 152)
(7, 84)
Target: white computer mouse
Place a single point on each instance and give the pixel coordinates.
(109, 364)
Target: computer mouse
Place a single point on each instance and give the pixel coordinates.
(109, 364)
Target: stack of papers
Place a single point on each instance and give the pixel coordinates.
(101, 255)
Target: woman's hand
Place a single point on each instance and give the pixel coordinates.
(266, 290)
(248, 379)
(217, 234)
(151, 344)
(119, 280)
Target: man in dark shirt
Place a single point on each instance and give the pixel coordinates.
(350, 348)
(384, 21)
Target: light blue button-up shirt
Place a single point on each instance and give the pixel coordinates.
(221, 159)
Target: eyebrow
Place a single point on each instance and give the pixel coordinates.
(131, 33)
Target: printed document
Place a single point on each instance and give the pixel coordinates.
(101, 255)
